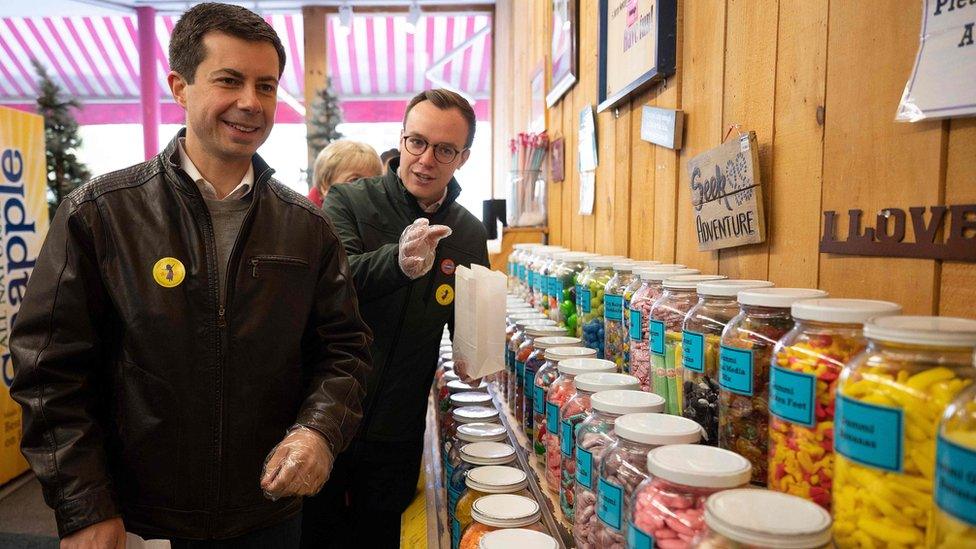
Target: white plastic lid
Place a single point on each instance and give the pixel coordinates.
(699, 466)
(448, 364)
(475, 414)
(574, 351)
(620, 402)
(469, 398)
(446, 347)
(458, 386)
(505, 510)
(668, 266)
(496, 479)
(641, 263)
(482, 432)
(781, 298)
(450, 376)
(539, 321)
(551, 341)
(765, 518)
(688, 282)
(526, 316)
(604, 381)
(730, 288)
(521, 538)
(657, 429)
(843, 311)
(526, 245)
(600, 262)
(623, 266)
(661, 274)
(923, 330)
(573, 257)
(521, 310)
(544, 330)
(488, 453)
(577, 366)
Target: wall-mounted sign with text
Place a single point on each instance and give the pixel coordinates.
(726, 195)
(940, 232)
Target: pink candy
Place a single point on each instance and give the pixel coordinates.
(673, 514)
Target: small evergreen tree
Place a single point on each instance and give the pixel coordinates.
(324, 116)
(65, 172)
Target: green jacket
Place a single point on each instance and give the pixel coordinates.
(407, 316)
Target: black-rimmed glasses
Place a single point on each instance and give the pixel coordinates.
(443, 153)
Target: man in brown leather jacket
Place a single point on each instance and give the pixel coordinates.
(190, 356)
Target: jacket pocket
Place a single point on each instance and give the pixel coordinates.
(262, 263)
(149, 436)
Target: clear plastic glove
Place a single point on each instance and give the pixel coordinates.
(298, 466)
(418, 245)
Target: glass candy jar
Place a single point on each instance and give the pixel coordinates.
(519, 354)
(499, 512)
(548, 373)
(563, 290)
(614, 347)
(484, 481)
(955, 473)
(640, 314)
(538, 338)
(474, 455)
(744, 362)
(759, 519)
(589, 302)
(803, 387)
(890, 399)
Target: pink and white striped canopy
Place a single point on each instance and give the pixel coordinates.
(375, 66)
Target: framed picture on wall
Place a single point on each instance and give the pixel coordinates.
(562, 50)
(537, 108)
(636, 47)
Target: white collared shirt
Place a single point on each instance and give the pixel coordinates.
(435, 206)
(206, 188)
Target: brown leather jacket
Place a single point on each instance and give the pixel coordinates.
(158, 404)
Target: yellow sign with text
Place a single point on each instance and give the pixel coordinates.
(23, 205)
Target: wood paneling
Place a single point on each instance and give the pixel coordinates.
(819, 82)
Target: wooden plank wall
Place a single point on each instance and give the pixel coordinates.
(818, 81)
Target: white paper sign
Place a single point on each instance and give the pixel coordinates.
(587, 192)
(587, 140)
(943, 82)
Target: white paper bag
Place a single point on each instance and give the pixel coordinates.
(479, 320)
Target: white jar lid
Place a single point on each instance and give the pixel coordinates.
(505, 510)
(661, 274)
(451, 375)
(482, 432)
(643, 263)
(620, 402)
(544, 330)
(689, 282)
(521, 310)
(526, 245)
(458, 386)
(526, 316)
(600, 262)
(573, 257)
(474, 414)
(766, 518)
(446, 346)
(577, 366)
(488, 453)
(469, 398)
(781, 298)
(624, 266)
(923, 330)
(730, 288)
(552, 342)
(699, 466)
(667, 266)
(563, 353)
(496, 479)
(657, 429)
(517, 537)
(448, 364)
(843, 311)
(605, 381)
(537, 321)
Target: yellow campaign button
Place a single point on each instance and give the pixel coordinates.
(445, 294)
(169, 272)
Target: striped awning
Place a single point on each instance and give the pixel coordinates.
(375, 65)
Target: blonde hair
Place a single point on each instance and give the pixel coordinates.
(341, 156)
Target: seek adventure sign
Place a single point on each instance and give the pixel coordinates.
(726, 195)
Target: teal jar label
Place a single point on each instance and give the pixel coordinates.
(735, 370)
(538, 400)
(552, 418)
(532, 277)
(655, 336)
(635, 325)
(613, 307)
(557, 288)
(549, 285)
(609, 503)
(522, 273)
(869, 434)
(584, 467)
(455, 533)
(579, 293)
(584, 298)
(693, 357)
(638, 539)
(955, 480)
(791, 396)
(519, 373)
(566, 441)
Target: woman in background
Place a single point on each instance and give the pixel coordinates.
(341, 162)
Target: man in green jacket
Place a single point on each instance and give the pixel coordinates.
(405, 235)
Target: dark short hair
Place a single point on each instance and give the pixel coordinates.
(446, 99)
(388, 154)
(186, 49)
